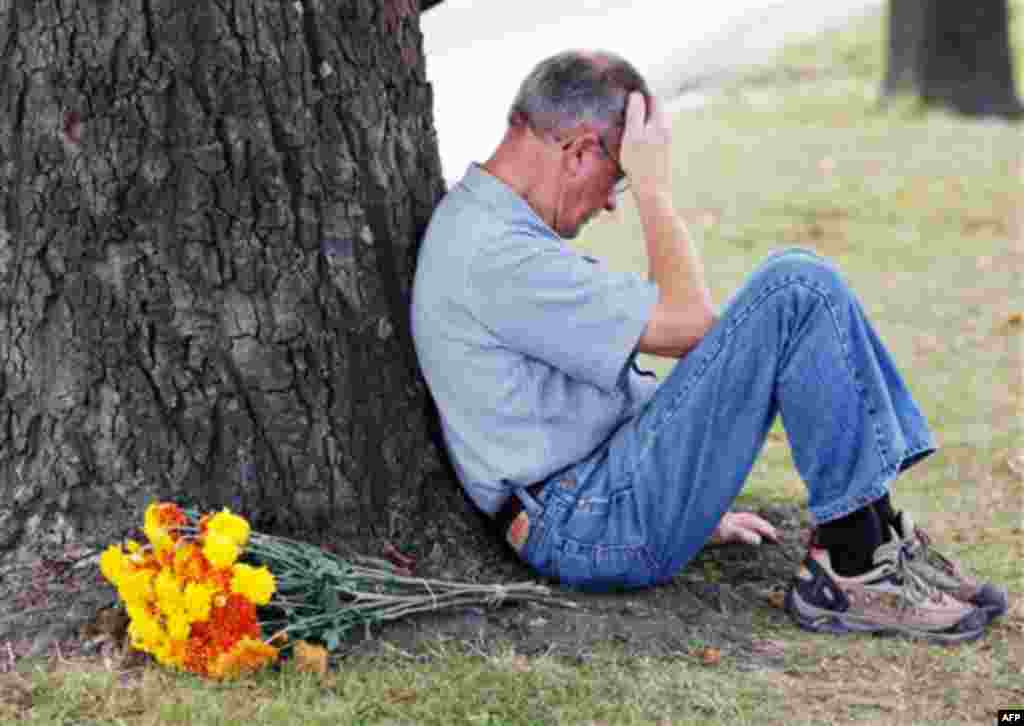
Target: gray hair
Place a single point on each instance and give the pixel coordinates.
(574, 88)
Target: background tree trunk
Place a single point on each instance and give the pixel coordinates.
(209, 218)
(905, 43)
(955, 54)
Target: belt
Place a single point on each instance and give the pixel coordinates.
(513, 507)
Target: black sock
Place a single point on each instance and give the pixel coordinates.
(883, 507)
(851, 541)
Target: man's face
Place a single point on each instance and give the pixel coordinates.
(592, 173)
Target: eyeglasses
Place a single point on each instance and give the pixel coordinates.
(622, 181)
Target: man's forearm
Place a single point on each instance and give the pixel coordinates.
(675, 265)
(673, 261)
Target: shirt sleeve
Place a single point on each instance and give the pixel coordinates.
(547, 301)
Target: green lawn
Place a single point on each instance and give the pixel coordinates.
(923, 213)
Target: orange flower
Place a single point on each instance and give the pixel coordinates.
(248, 655)
(204, 525)
(161, 523)
(234, 620)
(199, 649)
(189, 563)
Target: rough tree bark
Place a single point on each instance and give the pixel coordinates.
(209, 212)
(954, 54)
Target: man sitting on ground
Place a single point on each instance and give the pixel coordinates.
(602, 478)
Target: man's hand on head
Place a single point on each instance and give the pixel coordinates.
(743, 528)
(646, 154)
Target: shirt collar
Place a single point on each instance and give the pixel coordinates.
(499, 195)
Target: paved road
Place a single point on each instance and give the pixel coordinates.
(478, 51)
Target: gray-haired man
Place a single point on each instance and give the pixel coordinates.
(596, 474)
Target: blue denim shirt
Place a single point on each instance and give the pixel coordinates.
(527, 346)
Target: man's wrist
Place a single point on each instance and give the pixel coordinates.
(651, 193)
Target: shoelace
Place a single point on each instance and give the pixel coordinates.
(922, 542)
(915, 590)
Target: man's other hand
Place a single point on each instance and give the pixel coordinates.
(743, 528)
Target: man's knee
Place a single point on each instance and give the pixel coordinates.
(804, 268)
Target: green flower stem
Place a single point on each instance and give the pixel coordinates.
(367, 590)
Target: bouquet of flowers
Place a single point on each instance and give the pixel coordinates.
(190, 603)
(195, 593)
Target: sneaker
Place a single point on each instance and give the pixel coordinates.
(889, 599)
(945, 574)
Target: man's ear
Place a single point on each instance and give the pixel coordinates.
(580, 154)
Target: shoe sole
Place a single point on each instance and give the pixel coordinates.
(818, 620)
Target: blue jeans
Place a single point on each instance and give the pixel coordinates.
(793, 341)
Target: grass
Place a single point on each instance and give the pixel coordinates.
(447, 686)
(921, 211)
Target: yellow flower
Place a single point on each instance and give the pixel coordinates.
(169, 597)
(255, 583)
(112, 563)
(178, 627)
(172, 653)
(198, 601)
(159, 537)
(137, 611)
(221, 550)
(247, 655)
(146, 634)
(136, 586)
(159, 521)
(226, 523)
(152, 524)
(131, 546)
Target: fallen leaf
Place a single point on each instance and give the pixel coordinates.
(777, 599)
(710, 656)
(279, 638)
(927, 343)
(15, 691)
(400, 695)
(1017, 608)
(109, 623)
(310, 658)
(398, 558)
(1016, 464)
(708, 219)
(1015, 319)
(768, 648)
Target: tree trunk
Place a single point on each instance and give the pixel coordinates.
(210, 213)
(905, 42)
(954, 54)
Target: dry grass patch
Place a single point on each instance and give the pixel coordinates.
(873, 680)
